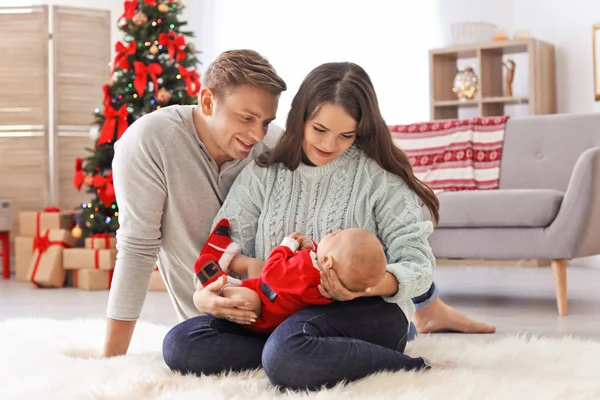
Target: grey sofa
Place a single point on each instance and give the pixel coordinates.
(548, 203)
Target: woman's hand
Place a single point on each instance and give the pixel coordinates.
(208, 300)
(332, 288)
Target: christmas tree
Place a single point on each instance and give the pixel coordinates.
(154, 67)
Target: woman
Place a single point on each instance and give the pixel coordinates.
(334, 168)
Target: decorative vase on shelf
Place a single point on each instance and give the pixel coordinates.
(466, 84)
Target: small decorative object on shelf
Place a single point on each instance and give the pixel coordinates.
(466, 84)
(510, 76)
(522, 34)
(471, 32)
(501, 34)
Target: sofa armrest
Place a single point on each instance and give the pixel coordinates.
(576, 228)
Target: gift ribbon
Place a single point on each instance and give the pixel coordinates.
(105, 236)
(174, 44)
(141, 76)
(192, 80)
(113, 119)
(41, 244)
(37, 222)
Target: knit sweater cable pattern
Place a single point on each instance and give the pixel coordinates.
(267, 204)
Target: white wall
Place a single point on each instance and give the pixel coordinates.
(568, 25)
(384, 37)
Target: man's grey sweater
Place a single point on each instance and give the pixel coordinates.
(169, 190)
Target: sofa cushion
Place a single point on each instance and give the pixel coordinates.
(499, 208)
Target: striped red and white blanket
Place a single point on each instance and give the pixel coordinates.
(453, 155)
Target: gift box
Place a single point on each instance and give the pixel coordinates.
(156, 282)
(32, 223)
(99, 259)
(46, 267)
(90, 279)
(100, 241)
(23, 256)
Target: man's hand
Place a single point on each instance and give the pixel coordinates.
(118, 337)
(208, 300)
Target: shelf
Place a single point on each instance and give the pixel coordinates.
(452, 103)
(489, 65)
(485, 100)
(470, 50)
(506, 100)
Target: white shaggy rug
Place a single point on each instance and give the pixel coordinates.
(50, 359)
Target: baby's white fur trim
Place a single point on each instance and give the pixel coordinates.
(232, 250)
(292, 244)
(233, 281)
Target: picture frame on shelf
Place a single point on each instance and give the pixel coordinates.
(596, 54)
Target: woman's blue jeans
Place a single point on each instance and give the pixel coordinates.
(318, 346)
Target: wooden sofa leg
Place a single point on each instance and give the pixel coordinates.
(559, 268)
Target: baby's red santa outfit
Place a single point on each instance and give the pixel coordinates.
(216, 255)
(288, 283)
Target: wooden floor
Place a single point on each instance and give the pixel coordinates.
(517, 300)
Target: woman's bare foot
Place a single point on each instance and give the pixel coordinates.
(439, 316)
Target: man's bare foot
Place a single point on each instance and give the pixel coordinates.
(439, 316)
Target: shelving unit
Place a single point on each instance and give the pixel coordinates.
(490, 99)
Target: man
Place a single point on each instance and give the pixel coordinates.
(172, 171)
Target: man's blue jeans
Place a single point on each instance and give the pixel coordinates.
(317, 346)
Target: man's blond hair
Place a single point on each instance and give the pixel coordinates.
(234, 68)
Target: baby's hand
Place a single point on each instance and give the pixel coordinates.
(306, 243)
(295, 235)
(303, 241)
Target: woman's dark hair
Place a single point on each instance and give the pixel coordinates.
(348, 85)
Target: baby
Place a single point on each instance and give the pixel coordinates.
(290, 277)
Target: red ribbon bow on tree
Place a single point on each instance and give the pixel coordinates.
(79, 174)
(106, 90)
(122, 57)
(141, 76)
(113, 120)
(174, 44)
(192, 81)
(130, 9)
(105, 189)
